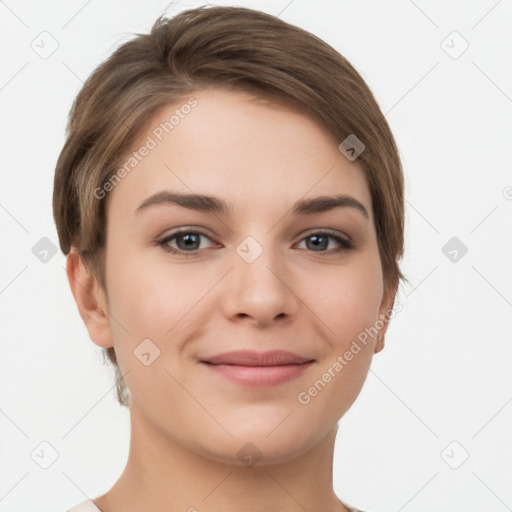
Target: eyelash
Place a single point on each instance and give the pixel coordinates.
(345, 245)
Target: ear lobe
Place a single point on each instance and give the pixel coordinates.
(89, 298)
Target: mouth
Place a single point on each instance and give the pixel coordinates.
(255, 369)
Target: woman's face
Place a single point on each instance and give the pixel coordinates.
(259, 276)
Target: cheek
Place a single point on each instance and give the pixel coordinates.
(346, 300)
(154, 313)
(150, 298)
(345, 306)
(160, 303)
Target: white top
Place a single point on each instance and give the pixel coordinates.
(89, 506)
(85, 506)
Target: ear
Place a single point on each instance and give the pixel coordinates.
(385, 309)
(90, 299)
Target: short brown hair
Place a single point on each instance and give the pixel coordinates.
(233, 47)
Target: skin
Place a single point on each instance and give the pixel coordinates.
(187, 423)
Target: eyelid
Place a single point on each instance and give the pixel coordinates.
(186, 229)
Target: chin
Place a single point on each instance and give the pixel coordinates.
(252, 447)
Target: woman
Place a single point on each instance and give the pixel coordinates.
(230, 201)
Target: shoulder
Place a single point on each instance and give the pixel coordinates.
(85, 506)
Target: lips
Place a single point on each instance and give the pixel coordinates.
(252, 358)
(258, 369)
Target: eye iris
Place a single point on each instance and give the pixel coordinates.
(317, 238)
(190, 239)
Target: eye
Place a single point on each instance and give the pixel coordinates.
(187, 240)
(320, 240)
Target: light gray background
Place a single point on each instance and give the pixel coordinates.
(441, 389)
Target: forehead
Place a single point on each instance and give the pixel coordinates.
(251, 150)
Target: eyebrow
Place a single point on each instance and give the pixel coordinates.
(210, 204)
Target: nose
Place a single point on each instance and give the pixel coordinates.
(260, 291)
